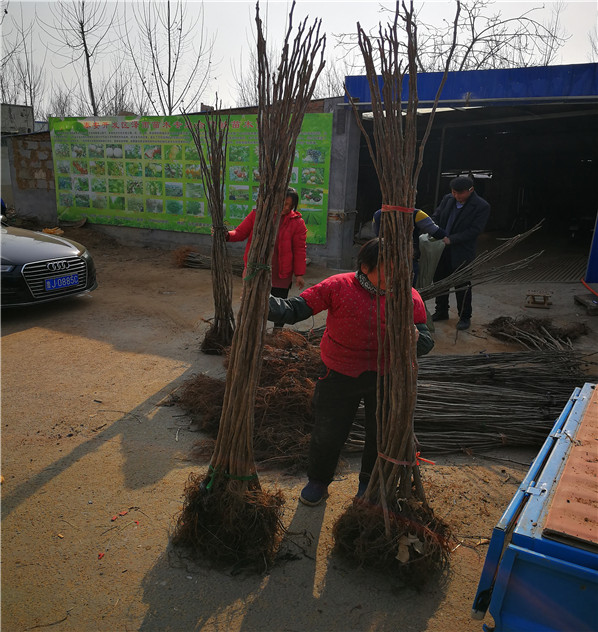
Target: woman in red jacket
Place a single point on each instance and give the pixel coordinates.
(349, 351)
(288, 258)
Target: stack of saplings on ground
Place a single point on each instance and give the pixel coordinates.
(466, 403)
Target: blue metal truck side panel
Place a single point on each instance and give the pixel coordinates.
(531, 582)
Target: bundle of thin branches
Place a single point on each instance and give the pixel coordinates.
(477, 271)
(398, 161)
(543, 371)
(210, 136)
(536, 333)
(187, 257)
(231, 493)
(468, 403)
(461, 417)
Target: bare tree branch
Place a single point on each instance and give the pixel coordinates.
(485, 39)
(166, 41)
(83, 30)
(593, 39)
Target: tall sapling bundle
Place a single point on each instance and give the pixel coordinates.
(227, 516)
(211, 139)
(392, 526)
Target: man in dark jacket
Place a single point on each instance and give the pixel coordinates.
(463, 215)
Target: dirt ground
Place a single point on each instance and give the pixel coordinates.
(95, 465)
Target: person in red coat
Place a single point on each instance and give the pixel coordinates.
(288, 258)
(349, 351)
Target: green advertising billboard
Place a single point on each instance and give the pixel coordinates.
(145, 172)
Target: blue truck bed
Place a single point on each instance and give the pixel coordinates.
(541, 569)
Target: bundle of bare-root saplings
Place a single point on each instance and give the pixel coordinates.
(227, 517)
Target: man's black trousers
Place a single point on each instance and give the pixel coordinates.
(462, 292)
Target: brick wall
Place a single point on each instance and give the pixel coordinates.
(32, 160)
(32, 175)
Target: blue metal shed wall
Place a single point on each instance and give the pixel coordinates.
(545, 84)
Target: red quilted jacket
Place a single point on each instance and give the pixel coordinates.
(290, 242)
(350, 342)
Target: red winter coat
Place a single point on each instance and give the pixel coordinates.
(350, 342)
(290, 242)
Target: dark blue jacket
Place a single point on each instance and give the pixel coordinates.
(469, 223)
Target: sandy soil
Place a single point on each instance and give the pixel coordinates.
(95, 465)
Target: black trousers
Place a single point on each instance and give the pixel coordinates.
(279, 292)
(462, 292)
(336, 399)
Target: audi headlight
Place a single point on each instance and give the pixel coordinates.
(6, 268)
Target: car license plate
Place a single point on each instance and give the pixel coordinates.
(58, 283)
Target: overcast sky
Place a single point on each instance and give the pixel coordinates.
(233, 25)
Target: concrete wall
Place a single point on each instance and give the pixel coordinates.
(338, 252)
(7, 195)
(32, 176)
(16, 119)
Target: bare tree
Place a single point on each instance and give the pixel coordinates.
(167, 40)
(31, 75)
(83, 30)
(9, 47)
(116, 93)
(226, 515)
(21, 80)
(330, 81)
(211, 140)
(4, 4)
(245, 77)
(9, 81)
(593, 39)
(394, 505)
(486, 39)
(62, 102)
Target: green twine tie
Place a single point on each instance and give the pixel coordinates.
(256, 267)
(214, 470)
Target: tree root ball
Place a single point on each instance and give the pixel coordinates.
(417, 549)
(231, 523)
(216, 340)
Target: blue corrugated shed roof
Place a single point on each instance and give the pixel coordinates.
(575, 83)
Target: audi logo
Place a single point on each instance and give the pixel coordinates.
(57, 266)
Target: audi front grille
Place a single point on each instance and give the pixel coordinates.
(35, 275)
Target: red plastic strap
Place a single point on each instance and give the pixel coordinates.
(588, 287)
(421, 458)
(391, 460)
(418, 458)
(402, 209)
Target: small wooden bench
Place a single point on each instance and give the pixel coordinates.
(540, 299)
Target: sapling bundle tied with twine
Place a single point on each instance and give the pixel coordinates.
(392, 527)
(210, 135)
(226, 516)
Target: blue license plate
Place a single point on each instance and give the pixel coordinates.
(59, 283)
